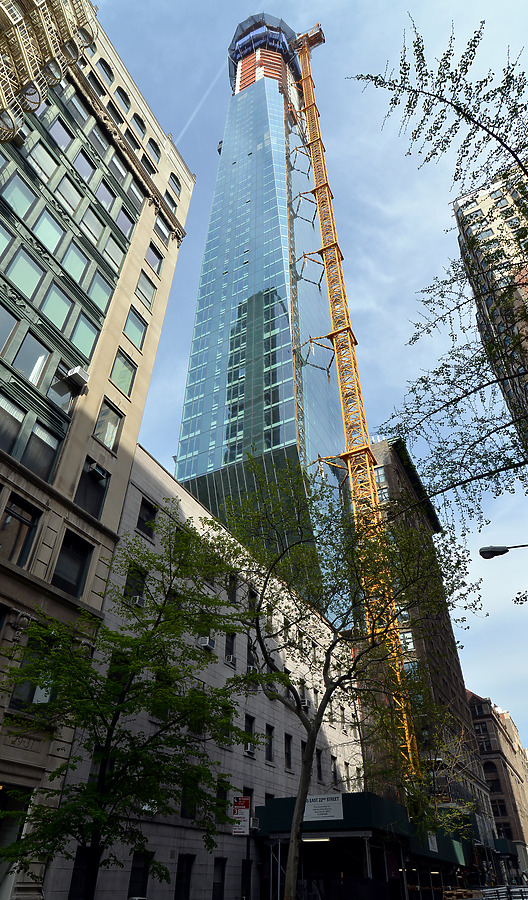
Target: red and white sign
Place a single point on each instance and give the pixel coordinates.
(241, 810)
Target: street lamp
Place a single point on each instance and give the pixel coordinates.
(490, 552)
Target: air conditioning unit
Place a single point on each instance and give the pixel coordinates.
(138, 600)
(78, 376)
(96, 471)
(305, 704)
(252, 670)
(250, 748)
(231, 660)
(254, 823)
(207, 642)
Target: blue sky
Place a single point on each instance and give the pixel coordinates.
(394, 223)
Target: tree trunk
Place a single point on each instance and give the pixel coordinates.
(92, 859)
(294, 848)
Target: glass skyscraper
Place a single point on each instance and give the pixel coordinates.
(258, 379)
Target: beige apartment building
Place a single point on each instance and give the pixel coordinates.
(505, 763)
(93, 201)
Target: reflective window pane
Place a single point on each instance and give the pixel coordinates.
(40, 451)
(42, 161)
(31, 358)
(68, 194)
(75, 262)
(108, 426)
(84, 166)
(154, 258)
(5, 239)
(17, 530)
(100, 291)
(7, 323)
(135, 328)
(61, 134)
(91, 225)
(105, 195)
(145, 289)
(11, 418)
(56, 306)
(84, 335)
(19, 195)
(113, 252)
(124, 222)
(123, 372)
(24, 272)
(48, 231)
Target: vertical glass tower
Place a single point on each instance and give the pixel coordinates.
(258, 380)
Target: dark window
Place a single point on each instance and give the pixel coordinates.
(162, 229)
(230, 644)
(218, 878)
(61, 134)
(84, 165)
(7, 323)
(124, 222)
(72, 564)
(108, 426)
(335, 773)
(288, 751)
(146, 518)
(171, 202)
(303, 749)
(154, 258)
(114, 112)
(154, 150)
(92, 487)
(139, 125)
(31, 358)
(269, 742)
(148, 165)
(134, 143)
(145, 289)
(498, 808)
(182, 888)
(221, 804)
(17, 530)
(135, 194)
(11, 418)
(188, 802)
(77, 109)
(122, 98)
(249, 728)
(174, 182)
(105, 70)
(139, 874)
(105, 195)
(40, 451)
(135, 583)
(118, 168)
(96, 85)
(98, 140)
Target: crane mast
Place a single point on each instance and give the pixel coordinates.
(357, 456)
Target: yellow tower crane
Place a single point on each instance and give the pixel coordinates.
(357, 456)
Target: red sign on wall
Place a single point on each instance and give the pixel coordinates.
(241, 809)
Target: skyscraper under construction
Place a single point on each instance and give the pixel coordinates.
(258, 376)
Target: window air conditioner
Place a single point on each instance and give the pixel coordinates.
(305, 704)
(96, 471)
(78, 376)
(207, 642)
(138, 600)
(231, 660)
(254, 823)
(250, 748)
(252, 670)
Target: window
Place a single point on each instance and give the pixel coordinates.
(147, 165)
(170, 201)
(124, 222)
(84, 165)
(335, 773)
(92, 487)
(498, 808)
(11, 417)
(25, 273)
(288, 751)
(112, 109)
(154, 258)
(139, 873)
(91, 225)
(7, 323)
(5, 239)
(135, 582)
(319, 764)
(75, 262)
(135, 194)
(162, 230)
(118, 168)
(123, 373)
(105, 70)
(18, 526)
(230, 645)
(481, 728)
(40, 451)
(61, 134)
(146, 518)
(72, 564)
(154, 150)
(134, 143)
(60, 389)
(113, 252)
(269, 743)
(19, 195)
(135, 328)
(31, 358)
(105, 196)
(174, 182)
(188, 802)
(122, 98)
(77, 109)
(48, 231)
(108, 426)
(139, 125)
(56, 306)
(182, 889)
(407, 640)
(98, 140)
(219, 868)
(84, 335)
(96, 85)
(68, 194)
(249, 728)
(145, 289)
(100, 291)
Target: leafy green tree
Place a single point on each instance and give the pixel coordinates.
(330, 593)
(466, 441)
(133, 693)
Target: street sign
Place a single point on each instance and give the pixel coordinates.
(318, 808)
(241, 810)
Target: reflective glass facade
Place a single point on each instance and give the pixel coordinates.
(255, 286)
